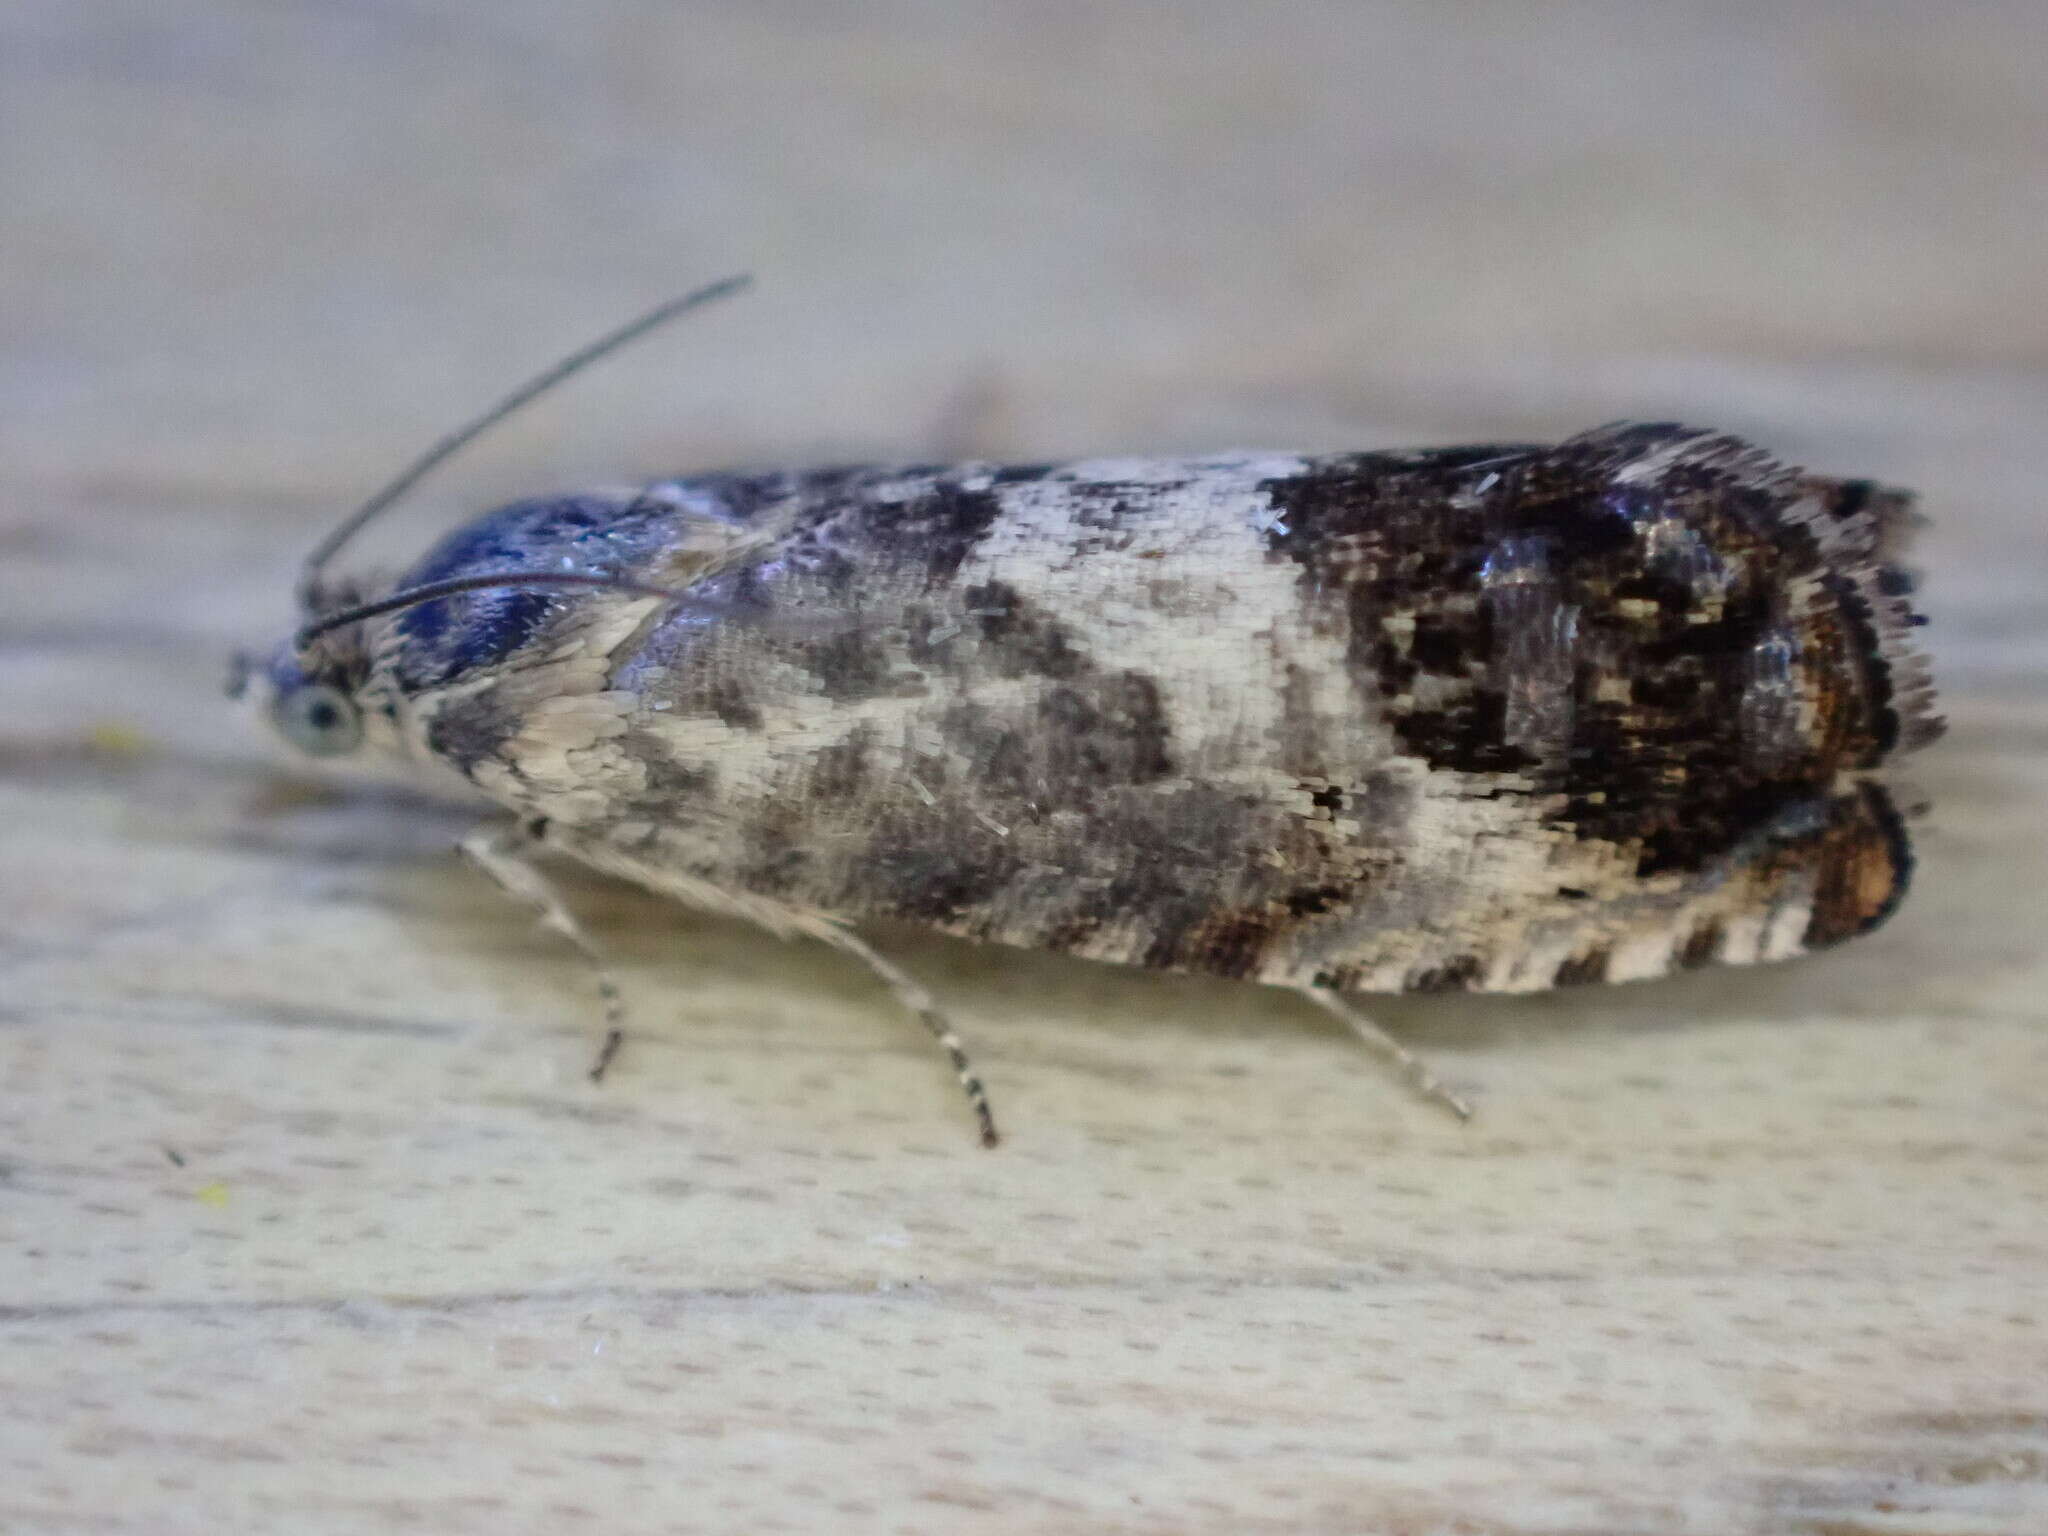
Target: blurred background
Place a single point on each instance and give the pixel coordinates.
(306, 1215)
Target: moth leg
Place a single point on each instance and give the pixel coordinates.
(910, 993)
(788, 922)
(503, 853)
(1411, 1065)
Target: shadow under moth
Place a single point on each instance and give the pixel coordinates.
(1494, 718)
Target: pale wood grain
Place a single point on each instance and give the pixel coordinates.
(307, 1220)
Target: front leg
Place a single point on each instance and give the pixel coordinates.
(506, 855)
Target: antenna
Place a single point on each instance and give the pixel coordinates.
(427, 592)
(454, 442)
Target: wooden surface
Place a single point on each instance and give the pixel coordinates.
(307, 1221)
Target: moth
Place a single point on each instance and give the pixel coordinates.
(1495, 718)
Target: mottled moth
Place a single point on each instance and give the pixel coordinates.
(1494, 718)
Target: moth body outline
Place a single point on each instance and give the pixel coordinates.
(1495, 718)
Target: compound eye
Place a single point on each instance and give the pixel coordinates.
(319, 719)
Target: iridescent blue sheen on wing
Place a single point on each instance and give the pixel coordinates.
(480, 629)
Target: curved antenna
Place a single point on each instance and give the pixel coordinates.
(426, 592)
(454, 442)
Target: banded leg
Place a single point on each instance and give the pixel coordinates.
(788, 922)
(910, 993)
(1411, 1065)
(503, 854)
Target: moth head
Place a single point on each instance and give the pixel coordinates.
(311, 701)
(507, 579)
(312, 688)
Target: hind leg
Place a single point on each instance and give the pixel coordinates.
(1411, 1065)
